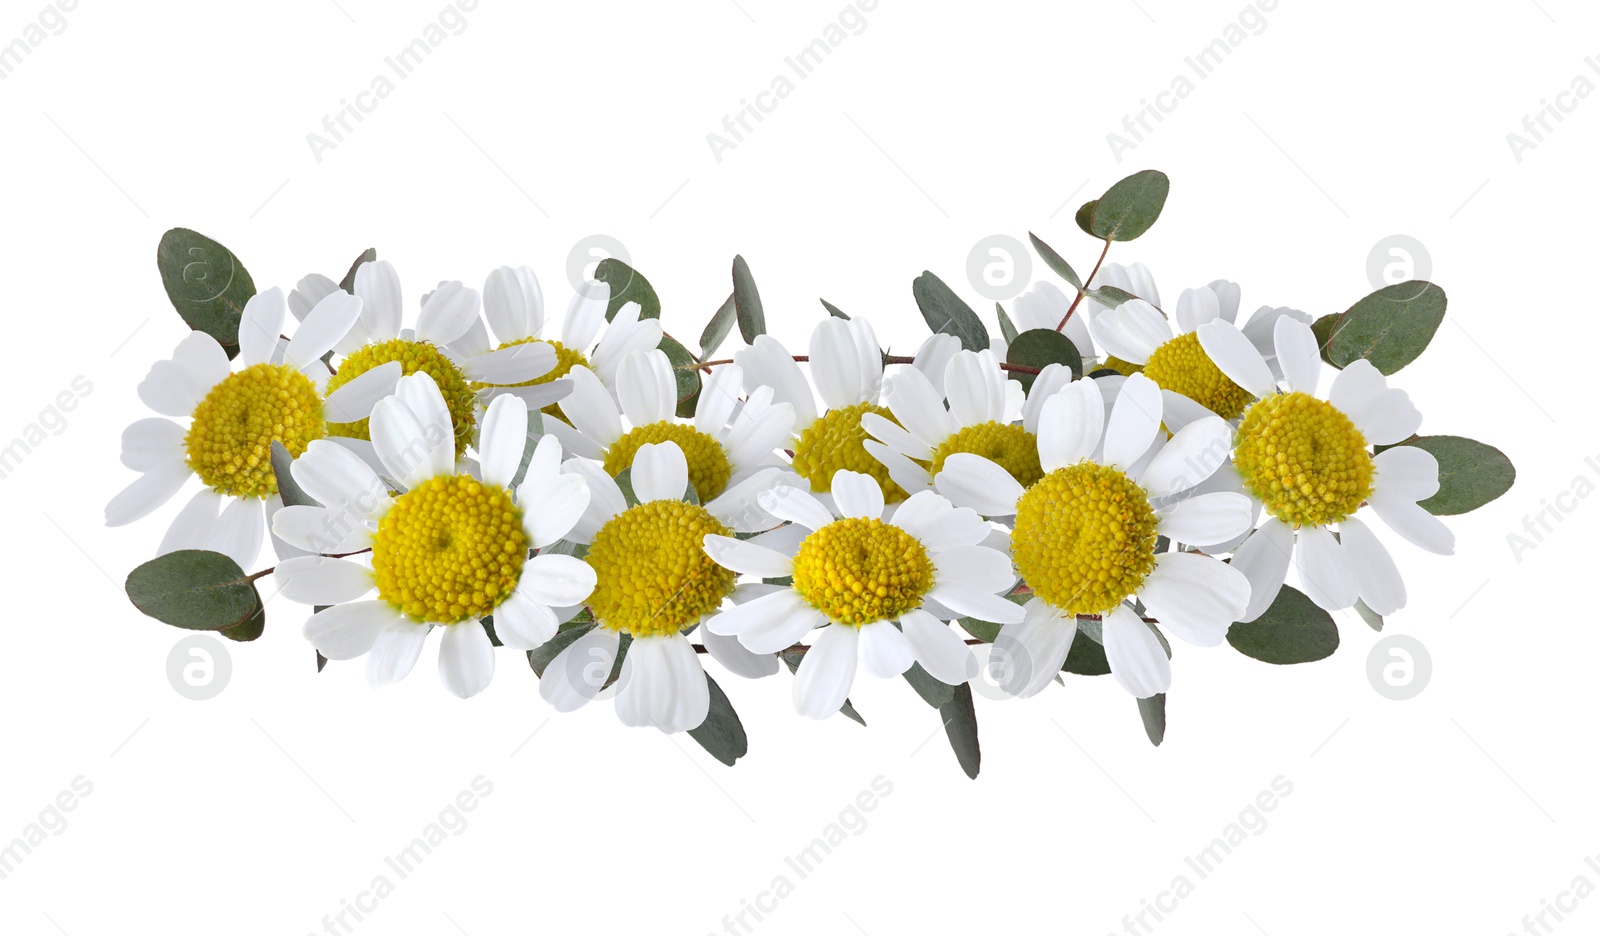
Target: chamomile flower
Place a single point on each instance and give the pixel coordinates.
(234, 414)
(855, 574)
(719, 454)
(1085, 535)
(513, 304)
(1308, 461)
(654, 583)
(448, 313)
(447, 552)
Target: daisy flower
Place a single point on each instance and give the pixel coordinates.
(234, 412)
(868, 583)
(654, 583)
(981, 419)
(719, 454)
(448, 313)
(1086, 534)
(1309, 463)
(513, 304)
(448, 552)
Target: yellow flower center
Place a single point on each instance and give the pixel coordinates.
(414, 357)
(1085, 538)
(709, 468)
(229, 443)
(1125, 368)
(1182, 366)
(858, 572)
(449, 550)
(835, 441)
(566, 359)
(1010, 446)
(1304, 459)
(653, 576)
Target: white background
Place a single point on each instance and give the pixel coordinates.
(263, 809)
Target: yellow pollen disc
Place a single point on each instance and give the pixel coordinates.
(1304, 459)
(858, 572)
(1010, 446)
(229, 443)
(1182, 366)
(834, 442)
(449, 550)
(709, 468)
(414, 357)
(1085, 538)
(653, 576)
(1125, 368)
(566, 359)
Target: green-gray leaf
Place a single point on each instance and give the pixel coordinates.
(1039, 348)
(834, 310)
(194, 589)
(540, 657)
(933, 692)
(721, 734)
(1153, 711)
(718, 329)
(1471, 473)
(1008, 328)
(1390, 327)
(206, 284)
(1055, 261)
(1374, 619)
(1130, 207)
(1086, 658)
(961, 727)
(747, 300)
(1085, 218)
(946, 313)
(1109, 296)
(291, 492)
(1292, 630)
(348, 284)
(687, 374)
(627, 285)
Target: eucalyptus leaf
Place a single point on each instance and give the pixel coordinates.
(1109, 296)
(933, 692)
(206, 283)
(1374, 619)
(1390, 327)
(1471, 474)
(194, 589)
(718, 329)
(1292, 630)
(1086, 658)
(1008, 328)
(1055, 261)
(1085, 218)
(1153, 712)
(721, 734)
(252, 627)
(686, 372)
(946, 313)
(291, 492)
(961, 727)
(541, 656)
(348, 284)
(834, 310)
(627, 285)
(1130, 207)
(1039, 348)
(747, 301)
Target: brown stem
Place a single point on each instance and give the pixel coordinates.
(1074, 307)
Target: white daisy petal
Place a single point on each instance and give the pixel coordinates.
(579, 672)
(447, 314)
(329, 322)
(317, 580)
(1131, 331)
(175, 387)
(918, 407)
(395, 651)
(771, 623)
(1138, 662)
(590, 408)
(152, 443)
(735, 658)
(310, 290)
(553, 512)
(932, 358)
(151, 490)
(755, 438)
(1415, 523)
(1405, 472)
(740, 505)
(835, 366)
(896, 437)
(974, 481)
(513, 303)
(1195, 597)
(1377, 578)
(884, 651)
(522, 623)
(586, 313)
(776, 368)
(1196, 307)
(902, 470)
(937, 524)
(1191, 456)
(747, 558)
(1178, 411)
(646, 388)
(605, 499)
(979, 567)
(382, 311)
(1027, 654)
(191, 528)
(822, 683)
(662, 685)
(1050, 381)
(502, 438)
(260, 324)
(1326, 573)
(660, 472)
(319, 530)
(791, 503)
(969, 601)
(976, 388)
(354, 400)
(402, 443)
(1207, 518)
(1264, 560)
(857, 495)
(1236, 357)
(719, 396)
(466, 657)
(1383, 415)
(1299, 358)
(938, 648)
(557, 581)
(627, 334)
(240, 530)
(1070, 425)
(517, 364)
(1135, 419)
(346, 631)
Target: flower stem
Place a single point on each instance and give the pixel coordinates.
(1074, 307)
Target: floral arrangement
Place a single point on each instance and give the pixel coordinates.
(1106, 474)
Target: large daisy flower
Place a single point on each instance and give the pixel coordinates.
(449, 551)
(234, 412)
(654, 584)
(1085, 535)
(513, 304)
(1308, 461)
(719, 454)
(869, 583)
(448, 314)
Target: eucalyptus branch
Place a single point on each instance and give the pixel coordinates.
(1085, 287)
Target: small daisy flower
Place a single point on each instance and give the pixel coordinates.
(448, 313)
(981, 419)
(1085, 535)
(1309, 463)
(855, 574)
(234, 412)
(448, 552)
(513, 304)
(720, 454)
(653, 583)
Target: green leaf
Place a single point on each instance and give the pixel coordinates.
(250, 629)
(321, 661)
(625, 483)
(933, 692)
(1291, 630)
(1153, 711)
(792, 658)
(1085, 218)
(961, 727)
(1109, 296)
(627, 285)
(194, 589)
(1055, 262)
(1086, 658)
(206, 284)
(1322, 330)
(348, 284)
(1390, 327)
(1374, 619)
(1130, 207)
(535, 433)
(293, 495)
(540, 657)
(747, 300)
(834, 310)
(1471, 473)
(721, 734)
(687, 374)
(1039, 348)
(946, 313)
(1008, 328)
(985, 631)
(718, 329)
